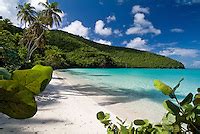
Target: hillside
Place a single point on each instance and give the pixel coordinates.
(86, 53)
(64, 50)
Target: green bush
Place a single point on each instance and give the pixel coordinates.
(182, 117)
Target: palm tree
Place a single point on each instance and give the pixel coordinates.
(34, 37)
(51, 14)
(26, 13)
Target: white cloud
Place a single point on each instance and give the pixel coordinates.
(139, 9)
(8, 10)
(138, 43)
(196, 64)
(180, 52)
(111, 18)
(177, 30)
(101, 30)
(168, 44)
(142, 26)
(118, 32)
(77, 28)
(105, 42)
(35, 3)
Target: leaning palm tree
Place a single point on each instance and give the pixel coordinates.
(51, 14)
(34, 37)
(26, 13)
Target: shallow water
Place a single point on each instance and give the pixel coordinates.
(140, 81)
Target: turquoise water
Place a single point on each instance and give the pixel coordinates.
(140, 81)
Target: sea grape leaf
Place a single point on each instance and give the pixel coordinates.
(167, 90)
(16, 101)
(100, 115)
(46, 71)
(31, 79)
(139, 122)
(187, 100)
(5, 74)
(171, 107)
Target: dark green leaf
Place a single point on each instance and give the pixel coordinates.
(171, 107)
(177, 86)
(139, 122)
(196, 99)
(187, 100)
(100, 115)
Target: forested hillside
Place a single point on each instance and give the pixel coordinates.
(64, 50)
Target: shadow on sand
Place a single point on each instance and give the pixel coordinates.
(61, 90)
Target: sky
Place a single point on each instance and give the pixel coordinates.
(166, 27)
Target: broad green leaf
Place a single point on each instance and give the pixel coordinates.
(167, 90)
(31, 79)
(16, 101)
(46, 71)
(100, 115)
(171, 107)
(187, 100)
(139, 122)
(5, 74)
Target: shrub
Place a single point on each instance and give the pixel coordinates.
(182, 117)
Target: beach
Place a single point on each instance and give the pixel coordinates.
(69, 106)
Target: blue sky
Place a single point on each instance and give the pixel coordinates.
(167, 27)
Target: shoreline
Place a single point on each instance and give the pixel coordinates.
(125, 106)
(70, 105)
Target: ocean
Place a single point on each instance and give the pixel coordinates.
(131, 81)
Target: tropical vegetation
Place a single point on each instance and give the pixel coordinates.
(18, 90)
(182, 117)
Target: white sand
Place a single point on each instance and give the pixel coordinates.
(69, 106)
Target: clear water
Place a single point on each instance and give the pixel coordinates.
(140, 81)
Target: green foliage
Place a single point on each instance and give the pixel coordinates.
(163, 87)
(63, 50)
(46, 72)
(182, 117)
(4, 74)
(85, 53)
(17, 95)
(10, 57)
(16, 101)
